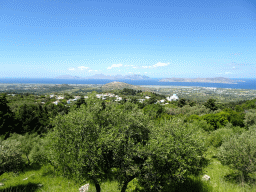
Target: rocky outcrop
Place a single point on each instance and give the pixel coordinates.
(206, 178)
(84, 188)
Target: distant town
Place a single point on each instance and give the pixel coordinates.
(56, 91)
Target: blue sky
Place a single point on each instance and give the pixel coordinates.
(163, 38)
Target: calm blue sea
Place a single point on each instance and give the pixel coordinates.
(248, 84)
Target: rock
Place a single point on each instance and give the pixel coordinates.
(84, 188)
(1, 184)
(206, 178)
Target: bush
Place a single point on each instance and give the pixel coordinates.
(219, 136)
(210, 104)
(217, 120)
(175, 150)
(188, 110)
(153, 110)
(250, 118)
(239, 152)
(27, 142)
(39, 154)
(10, 156)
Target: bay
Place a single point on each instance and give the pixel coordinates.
(248, 84)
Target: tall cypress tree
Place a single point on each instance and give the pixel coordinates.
(7, 119)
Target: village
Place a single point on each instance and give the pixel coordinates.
(105, 96)
(56, 91)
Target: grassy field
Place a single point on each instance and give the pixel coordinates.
(43, 179)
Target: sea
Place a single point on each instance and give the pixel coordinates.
(247, 84)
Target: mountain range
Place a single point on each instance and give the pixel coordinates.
(143, 77)
(102, 76)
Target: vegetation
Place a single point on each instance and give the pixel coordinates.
(126, 145)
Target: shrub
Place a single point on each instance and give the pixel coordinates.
(175, 150)
(153, 110)
(250, 118)
(219, 136)
(10, 156)
(38, 153)
(188, 110)
(216, 120)
(239, 152)
(27, 142)
(211, 105)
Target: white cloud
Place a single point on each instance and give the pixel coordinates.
(82, 67)
(71, 69)
(115, 65)
(159, 64)
(90, 70)
(228, 73)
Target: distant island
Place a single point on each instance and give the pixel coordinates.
(102, 76)
(121, 85)
(202, 80)
(143, 77)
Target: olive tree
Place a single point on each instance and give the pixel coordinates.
(239, 152)
(10, 156)
(250, 118)
(26, 143)
(96, 141)
(175, 150)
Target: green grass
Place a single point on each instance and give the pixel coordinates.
(50, 182)
(44, 175)
(54, 183)
(219, 173)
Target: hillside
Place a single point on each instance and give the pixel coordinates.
(120, 85)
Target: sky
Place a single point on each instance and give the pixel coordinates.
(156, 38)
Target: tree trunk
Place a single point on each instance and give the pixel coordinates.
(28, 159)
(124, 187)
(97, 185)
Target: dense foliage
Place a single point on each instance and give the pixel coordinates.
(94, 140)
(239, 152)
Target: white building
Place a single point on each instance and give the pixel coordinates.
(118, 98)
(162, 101)
(56, 102)
(60, 97)
(147, 97)
(99, 95)
(77, 97)
(173, 98)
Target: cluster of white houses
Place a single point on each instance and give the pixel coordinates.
(104, 96)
